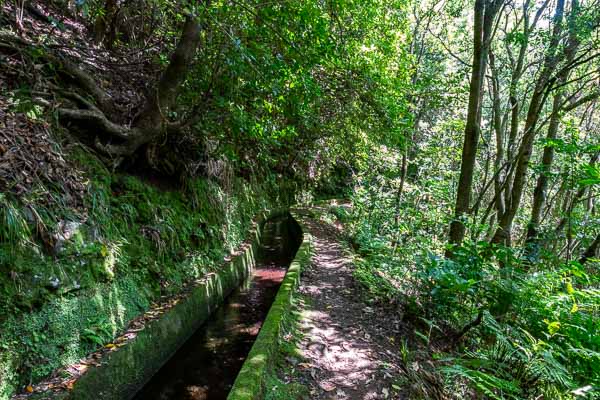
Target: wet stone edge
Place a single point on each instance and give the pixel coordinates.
(250, 382)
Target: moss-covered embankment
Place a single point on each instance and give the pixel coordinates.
(73, 280)
(250, 382)
(119, 371)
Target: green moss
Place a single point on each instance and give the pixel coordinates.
(130, 367)
(138, 242)
(250, 382)
(280, 390)
(59, 333)
(275, 387)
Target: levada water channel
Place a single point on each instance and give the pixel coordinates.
(206, 366)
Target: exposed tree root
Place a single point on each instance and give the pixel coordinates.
(100, 121)
(96, 115)
(103, 101)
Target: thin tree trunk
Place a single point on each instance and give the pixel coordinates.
(103, 19)
(485, 185)
(485, 13)
(503, 233)
(539, 194)
(499, 134)
(399, 191)
(569, 206)
(515, 108)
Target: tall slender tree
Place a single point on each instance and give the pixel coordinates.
(539, 194)
(485, 12)
(536, 103)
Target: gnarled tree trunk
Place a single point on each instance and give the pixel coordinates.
(152, 123)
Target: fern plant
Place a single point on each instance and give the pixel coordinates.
(515, 366)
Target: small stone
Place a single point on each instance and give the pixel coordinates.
(54, 283)
(292, 360)
(65, 231)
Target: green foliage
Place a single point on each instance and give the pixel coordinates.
(537, 335)
(538, 331)
(14, 229)
(99, 332)
(280, 390)
(516, 366)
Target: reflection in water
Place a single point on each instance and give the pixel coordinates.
(206, 366)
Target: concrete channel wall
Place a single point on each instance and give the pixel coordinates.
(120, 373)
(250, 382)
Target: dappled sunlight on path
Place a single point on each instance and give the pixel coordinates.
(346, 345)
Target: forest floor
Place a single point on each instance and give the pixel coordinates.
(349, 349)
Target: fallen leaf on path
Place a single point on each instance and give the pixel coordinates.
(327, 386)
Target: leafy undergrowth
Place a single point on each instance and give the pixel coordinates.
(76, 278)
(493, 324)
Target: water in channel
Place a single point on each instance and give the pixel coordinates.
(206, 366)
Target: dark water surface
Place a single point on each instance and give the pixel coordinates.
(206, 366)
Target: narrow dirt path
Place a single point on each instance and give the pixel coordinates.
(350, 350)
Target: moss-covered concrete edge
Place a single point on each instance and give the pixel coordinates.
(121, 372)
(250, 382)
